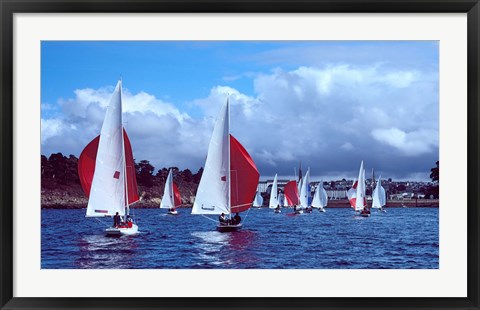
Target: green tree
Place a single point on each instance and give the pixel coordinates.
(145, 173)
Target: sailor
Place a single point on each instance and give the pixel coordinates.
(237, 219)
(129, 221)
(222, 219)
(116, 220)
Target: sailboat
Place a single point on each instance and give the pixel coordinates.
(379, 197)
(107, 171)
(304, 193)
(171, 196)
(230, 176)
(356, 194)
(320, 198)
(258, 201)
(273, 203)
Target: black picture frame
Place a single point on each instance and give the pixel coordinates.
(10, 7)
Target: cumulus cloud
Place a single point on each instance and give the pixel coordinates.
(329, 117)
(409, 143)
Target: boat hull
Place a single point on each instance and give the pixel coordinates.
(298, 211)
(172, 212)
(277, 211)
(121, 231)
(228, 228)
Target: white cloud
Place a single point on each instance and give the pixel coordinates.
(412, 143)
(328, 117)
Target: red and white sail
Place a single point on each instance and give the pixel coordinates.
(230, 177)
(171, 195)
(358, 200)
(106, 167)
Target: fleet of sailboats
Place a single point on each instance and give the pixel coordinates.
(107, 171)
(229, 182)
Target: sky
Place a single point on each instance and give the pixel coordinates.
(326, 104)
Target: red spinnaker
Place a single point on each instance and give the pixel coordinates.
(177, 198)
(86, 167)
(244, 177)
(291, 193)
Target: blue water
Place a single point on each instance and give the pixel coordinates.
(402, 238)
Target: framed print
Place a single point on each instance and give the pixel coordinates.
(239, 154)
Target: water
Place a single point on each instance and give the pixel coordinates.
(402, 238)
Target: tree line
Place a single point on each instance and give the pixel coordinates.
(62, 170)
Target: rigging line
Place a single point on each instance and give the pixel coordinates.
(208, 218)
(245, 218)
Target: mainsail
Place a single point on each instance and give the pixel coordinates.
(360, 199)
(258, 201)
(305, 191)
(320, 198)
(105, 161)
(379, 196)
(273, 203)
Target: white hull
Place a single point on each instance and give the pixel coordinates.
(119, 231)
(298, 211)
(173, 212)
(277, 211)
(321, 210)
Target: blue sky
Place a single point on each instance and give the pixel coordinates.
(329, 104)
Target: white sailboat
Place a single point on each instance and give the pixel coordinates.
(230, 177)
(304, 193)
(258, 201)
(379, 197)
(273, 203)
(320, 198)
(171, 196)
(360, 199)
(107, 172)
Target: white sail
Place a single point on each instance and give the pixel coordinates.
(360, 195)
(168, 195)
(320, 198)
(379, 196)
(299, 186)
(304, 192)
(258, 201)
(107, 193)
(274, 194)
(214, 188)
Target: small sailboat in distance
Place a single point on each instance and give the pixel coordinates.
(320, 198)
(230, 177)
(290, 191)
(171, 195)
(258, 201)
(359, 201)
(305, 192)
(273, 202)
(107, 171)
(379, 197)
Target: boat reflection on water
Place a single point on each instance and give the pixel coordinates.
(226, 250)
(100, 251)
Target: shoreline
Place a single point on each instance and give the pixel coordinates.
(419, 203)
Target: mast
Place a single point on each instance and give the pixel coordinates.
(229, 202)
(125, 182)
